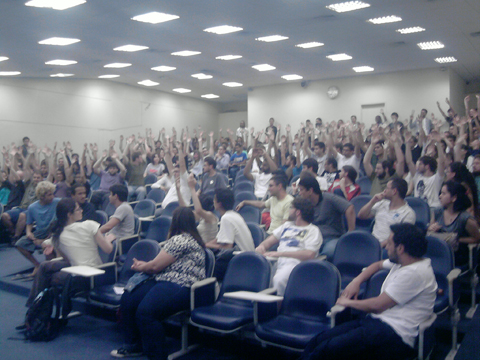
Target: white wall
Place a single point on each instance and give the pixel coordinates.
(457, 94)
(231, 120)
(92, 111)
(401, 92)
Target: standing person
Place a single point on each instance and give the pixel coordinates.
(122, 222)
(135, 175)
(180, 263)
(261, 179)
(114, 173)
(271, 125)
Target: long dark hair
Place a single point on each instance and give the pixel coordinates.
(456, 189)
(64, 207)
(183, 221)
(465, 177)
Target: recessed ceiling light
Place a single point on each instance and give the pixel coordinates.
(186, 53)
(443, 60)
(348, 6)
(130, 48)
(363, 68)
(228, 57)
(154, 17)
(310, 45)
(210, 96)
(108, 76)
(182, 90)
(272, 38)
(431, 45)
(339, 57)
(61, 62)
(61, 75)
(410, 30)
(264, 67)
(232, 84)
(202, 76)
(9, 73)
(55, 4)
(163, 68)
(223, 29)
(3, 58)
(292, 77)
(58, 41)
(117, 65)
(385, 20)
(148, 83)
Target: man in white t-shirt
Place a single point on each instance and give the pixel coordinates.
(261, 179)
(406, 299)
(298, 240)
(388, 207)
(179, 172)
(350, 155)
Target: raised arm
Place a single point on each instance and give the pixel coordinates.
(367, 160)
(247, 170)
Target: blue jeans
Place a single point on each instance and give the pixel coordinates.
(140, 192)
(328, 248)
(143, 311)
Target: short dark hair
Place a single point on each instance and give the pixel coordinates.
(308, 181)
(120, 190)
(207, 202)
(349, 145)
(320, 144)
(332, 161)
(280, 179)
(293, 159)
(411, 237)
(75, 186)
(135, 155)
(311, 163)
(210, 161)
(394, 114)
(351, 172)
(388, 164)
(430, 161)
(306, 208)
(225, 197)
(401, 186)
(25, 138)
(112, 164)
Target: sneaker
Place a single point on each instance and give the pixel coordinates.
(21, 327)
(122, 352)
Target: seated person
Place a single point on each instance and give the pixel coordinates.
(346, 186)
(407, 299)
(298, 240)
(388, 207)
(211, 179)
(79, 194)
(114, 173)
(237, 161)
(122, 222)
(454, 218)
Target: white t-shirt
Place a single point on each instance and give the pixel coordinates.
(428, 188)
(261, 184)
(279, 211)
(165, 182)
(234, 230)
(296, 238)
(184, 189)
(77, 243)
(384, 217)
(414, 289)
(352, 161)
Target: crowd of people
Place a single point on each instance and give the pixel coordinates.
(303, 182)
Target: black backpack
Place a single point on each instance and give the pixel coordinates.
(40, 325)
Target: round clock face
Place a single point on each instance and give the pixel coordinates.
(333, 92)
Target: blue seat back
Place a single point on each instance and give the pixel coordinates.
(244, 195)
(145, 208)
(441, 255)
(251, 214)
(358, 202)
(144, 250)
(365, 184)
(243, 186)
(150, 179)
(312, 289)
(374, 284)
(422, 211)
(102, 217)
(295, 178)
(157, 195)
(209, 263)
(158, 229)
(168, 211)
(257, 233)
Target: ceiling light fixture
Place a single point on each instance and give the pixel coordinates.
(264, 67)
(292, 77)
(202, 76)
(186, 53)
(385, 20)
(182, 90)
(210, 96)
(163, 68)
(61, 62)
(431, 45)
(55, 4)
(228, 57)
(155, 17)
(272, 38)
(410, 30)
(232, 84)
(59, 41)
(3, 58)
(363, 68)
(339, 57)
(117, 65)
(223, 29)
(148, 83)
(61, 75)
(130, 48)
(108, 76)
(443, 60)
(9, 73)
(310, 45)
(348, 6)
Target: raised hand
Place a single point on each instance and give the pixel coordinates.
(104, 153)
(288, 128)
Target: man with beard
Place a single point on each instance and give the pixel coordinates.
(407, 297)
(298, 240)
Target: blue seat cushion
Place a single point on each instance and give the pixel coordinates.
(105, 294)
(290, 331)
(223, 316)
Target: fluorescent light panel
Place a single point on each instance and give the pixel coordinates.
(117, 65)
(431, 45)
(3, 58)
(202, 76)
(385, 20)
(443, 60)
(363, 68)
(55, 4)
(111, 76)
(232, 84)
(59, 41)
(410, 30)
(228, 57)
(292, 77)
(61, 75)
(163, 68)
(9, 73)
(347, 6)
(61, 62)
(310, 45)
(155, 17)
(264, 67)
(339, 57)
(223, 29)
(148, 83)
(272, 38)
(182, 90)
(210, 96)
(130, 48)
(186, 53)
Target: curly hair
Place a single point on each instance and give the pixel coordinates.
(42, 188)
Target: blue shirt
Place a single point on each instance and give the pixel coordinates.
(42, 214)
(236, 159)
